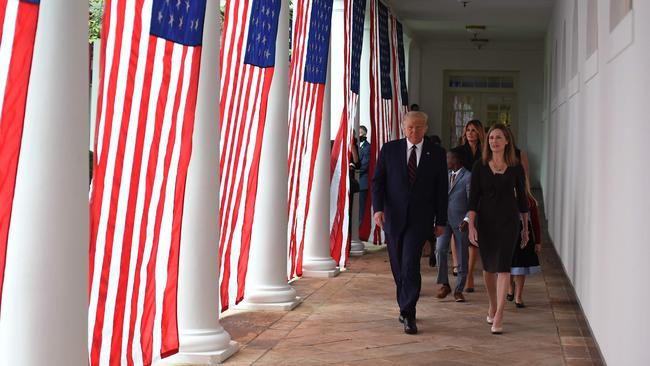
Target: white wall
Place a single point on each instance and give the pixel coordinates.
(526, 59)
(595, 177)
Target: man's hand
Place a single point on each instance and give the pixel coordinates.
(379, 219)
(463, 226)
(439, 231)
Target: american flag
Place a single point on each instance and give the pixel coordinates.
(381, 108)
(401, 100)
(149, 70)
(18, 19)
(247, 65)
(339, 167)
(311, 38)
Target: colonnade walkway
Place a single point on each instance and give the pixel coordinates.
(352, 320)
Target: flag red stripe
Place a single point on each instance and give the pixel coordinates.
(149, 311)
(13, 116)
(142, 126)
(127, 239)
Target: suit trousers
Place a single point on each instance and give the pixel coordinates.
(404, 252)
(462, 254)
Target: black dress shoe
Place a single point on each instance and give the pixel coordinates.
(510, 297)
(520, 304)
(432, 260)
(401, 319)
(409, 326)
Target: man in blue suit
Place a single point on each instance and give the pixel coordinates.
(364, 163)
(409, 192)
(459, 184)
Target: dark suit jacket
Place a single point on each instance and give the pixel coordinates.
(364, 162)
(419, 206)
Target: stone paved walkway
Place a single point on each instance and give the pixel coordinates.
(352, 320)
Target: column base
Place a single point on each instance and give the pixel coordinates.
(319, 268)
(202, 347)
(270, 298)
(357, 248)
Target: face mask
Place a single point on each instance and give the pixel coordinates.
(362, 138)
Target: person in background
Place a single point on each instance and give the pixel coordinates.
(526, 261)
(472, 142)
(497, 205)
(459, 188)
(414, 107)
(364, 163)
(436, 139)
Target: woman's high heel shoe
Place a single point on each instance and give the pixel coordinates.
(489, 319)
(497, 330)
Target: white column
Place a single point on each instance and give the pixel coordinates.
(202, 339)
(266, 281)
(44, 313)
(414, 72)
(317, 260)
(337, 67)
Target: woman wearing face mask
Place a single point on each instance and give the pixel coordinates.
(497, 204)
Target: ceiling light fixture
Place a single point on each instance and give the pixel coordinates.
(474, 29)
(479, 43)
(464, 2)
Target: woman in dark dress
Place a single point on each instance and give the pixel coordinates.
(472, 140)
(497, 204)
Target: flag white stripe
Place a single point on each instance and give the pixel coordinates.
(134, 120)
(155, 91)
(6, 46)
(108, 66)
(164, 241)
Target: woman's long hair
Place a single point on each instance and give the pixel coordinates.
(509, 153)
(481, 132)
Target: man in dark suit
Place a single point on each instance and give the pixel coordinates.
(409, 191)
(364, 163)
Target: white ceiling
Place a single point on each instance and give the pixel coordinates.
(506, 20)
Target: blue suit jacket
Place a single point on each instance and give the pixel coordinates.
(459, 197)
(420, 205)
(364, 162)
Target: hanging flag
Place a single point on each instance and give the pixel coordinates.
(381, 107)
(151, 52)
(18, 20)
(354, 18)
(247, 64)
(311, 40)
(401, 100)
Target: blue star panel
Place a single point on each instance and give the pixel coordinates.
(402, 64)
(384, 52)
(358, 17)
(262, 33)
(178, 21)
(319, 41)
(37, 2)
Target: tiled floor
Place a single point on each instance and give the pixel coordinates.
(352, 320)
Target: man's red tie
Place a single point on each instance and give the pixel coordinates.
(413, 164)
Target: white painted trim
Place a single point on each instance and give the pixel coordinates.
(591, 67)
(621, 37)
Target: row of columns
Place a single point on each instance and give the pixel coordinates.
(44, 308)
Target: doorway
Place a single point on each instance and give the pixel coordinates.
(487, 96)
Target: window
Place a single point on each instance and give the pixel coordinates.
(592, 27)
(618, 9)
(463, 111)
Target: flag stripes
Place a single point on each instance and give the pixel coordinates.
(18, 21)
(309, 60)
(400, 102)
(148, 90)
(381, 106)
(247, 59)
(354, 16)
